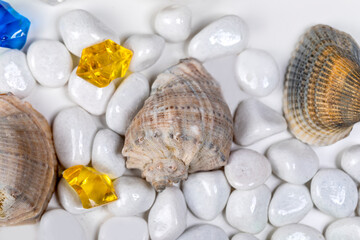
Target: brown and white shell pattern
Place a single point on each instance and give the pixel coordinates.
(28, 164)
(184, 126)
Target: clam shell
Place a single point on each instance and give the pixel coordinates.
(321, 102)
(184, 126)
(27, 162)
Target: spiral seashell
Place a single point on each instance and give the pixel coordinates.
(184, 126)
(27, 162)
(321, 96)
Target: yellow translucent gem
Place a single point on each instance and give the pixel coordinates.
(103, 62)
(94, 188)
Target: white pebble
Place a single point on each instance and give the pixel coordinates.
(257, 72)
(15, 76)
(146, 48)
(350, 162)
(131, 228)
(209, 187)
(204, 232)
(167, 218)
(69, 199)
(73, 132)
(247, 169)
(50, 62)
(106, 153)
(289, 204)
(248, 210)
(54, 2)
(254, 121)
(225, 36)
(344, 229)
(297, 232)
(293, 161)
(135, 196)
(59, 225)
(244, 236)
(80, 29)
(334, 193)
(174, 23)
(126, 102)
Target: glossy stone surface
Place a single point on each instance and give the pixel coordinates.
(54, 2)
(204, 232)
(134, 228)
(69, 199)
(350, 162)
(244, 236)
(346, 228)
(297, 232)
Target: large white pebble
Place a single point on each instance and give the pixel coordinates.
(204, 232)
(350, 162)
(167, 218)
(126, 102)
(334, 192)
(15, 75)
(257, 72)
(106, 153)
(59, 225)
(69, 199)
(174, 23)
(129, 228)
(50, 62)
(88, 96)
(293, 161)
(254, 121)
(289, 204)
(73, 132)
(80, 29)
(248, 210)
(146, 48)
(244, 236)
(135, 196)
(297, 232)
(247, 169)
(225, 36)
(209, 187)
(344, 229)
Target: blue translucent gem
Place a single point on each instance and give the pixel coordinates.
(13, 27)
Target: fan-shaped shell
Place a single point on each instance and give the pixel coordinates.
(184, 126)
(27, 162)
(321, 96)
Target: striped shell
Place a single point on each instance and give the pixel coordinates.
(321, 98)
(184, 126)
(27, 162)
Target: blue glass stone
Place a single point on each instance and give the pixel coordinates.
(13, 27)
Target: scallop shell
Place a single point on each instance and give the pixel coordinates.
(184, 126)
(321, 97)
(27, 162)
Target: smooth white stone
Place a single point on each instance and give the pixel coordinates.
(247, 169)
(344, 229)
(73, 132)
(350, 162)
(50, 62)
(257, 72)
(54, 2)
(206, 187)
(15, 75)
(106, 153)
(358, 206)
(334, 193)
(293, 161)
(244, 236)
(289, 204)
(297, 232)
(58, 224)
(126, 102)
(254, 121)
(225, 36)
(130, 228)
(248, 210)
(204, 232)
(174, 23)
(167, 218)
(135, 196)
(146, 48)
(80, 29)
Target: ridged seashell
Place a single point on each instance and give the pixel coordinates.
(184, 126)
(27, 162)
(321, 98)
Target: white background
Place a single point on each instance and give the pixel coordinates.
(274, 26)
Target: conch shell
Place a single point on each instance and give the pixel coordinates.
(322, 86)
(184, 126)
(28, 162)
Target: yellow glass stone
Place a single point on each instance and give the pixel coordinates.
(103, 62)
(94, 188)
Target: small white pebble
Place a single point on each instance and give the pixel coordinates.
(297, 232)
(244, 236)
(69, 199)
(204, 232)
(344, 229)
(350, 162)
